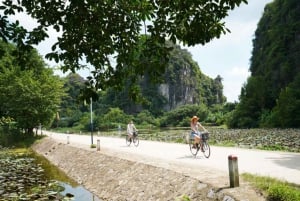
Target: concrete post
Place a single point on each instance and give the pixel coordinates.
(98, 145)
(68, 139)
(233, 171)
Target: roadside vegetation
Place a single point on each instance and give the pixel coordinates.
(273, 189)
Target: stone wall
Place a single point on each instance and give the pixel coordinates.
(112, 178)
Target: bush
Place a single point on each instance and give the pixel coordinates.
(112, 119)
(146, 118)
(180, 115)
(283, 192)
(275, 190)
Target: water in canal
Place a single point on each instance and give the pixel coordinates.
(71, 187)
(79, 193)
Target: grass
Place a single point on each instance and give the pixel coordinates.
(274, 189)
(51, 171)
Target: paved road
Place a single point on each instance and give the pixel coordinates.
(281, 165)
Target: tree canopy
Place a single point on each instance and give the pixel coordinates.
(106, 34)
(30, 97)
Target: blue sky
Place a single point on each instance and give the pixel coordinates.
(229, 56)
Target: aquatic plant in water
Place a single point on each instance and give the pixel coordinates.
(22, 179)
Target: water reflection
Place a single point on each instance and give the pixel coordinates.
(79, 192)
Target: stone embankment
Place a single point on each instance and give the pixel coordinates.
(112, 178)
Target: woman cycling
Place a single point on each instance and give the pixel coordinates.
(196, 133)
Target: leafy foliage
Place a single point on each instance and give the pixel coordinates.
(181, 115)
(71, 107)
(107, 34)
(286, 113)
(269, 96)
(273, 188)
(32, 96)
(112, 119)
(146, 118)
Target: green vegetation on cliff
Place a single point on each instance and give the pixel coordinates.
(271, 97)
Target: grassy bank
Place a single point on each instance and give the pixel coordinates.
(273, 189)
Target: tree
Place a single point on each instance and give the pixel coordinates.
(30, 97)
(112, 119)
(97, 31)
(72, 107)
(286, 113)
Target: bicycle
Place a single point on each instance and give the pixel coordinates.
(134, 139)
(203, 143)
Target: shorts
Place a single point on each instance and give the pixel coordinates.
(193, 134)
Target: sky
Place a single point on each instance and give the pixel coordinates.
(229, 56)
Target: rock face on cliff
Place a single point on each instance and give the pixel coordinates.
(184, 83)
(112, 178)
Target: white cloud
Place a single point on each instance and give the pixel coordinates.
(234, 79)
(229, 56)
(45, 46)
(242, 72)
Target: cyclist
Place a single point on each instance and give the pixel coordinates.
(196, 133)
(131, 130)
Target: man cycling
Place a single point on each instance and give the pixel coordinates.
(131, 130)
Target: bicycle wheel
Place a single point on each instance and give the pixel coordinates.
(136, 141)
(206, 149)
(194, 151)
(128, 141)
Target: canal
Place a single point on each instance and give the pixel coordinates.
(26, 175)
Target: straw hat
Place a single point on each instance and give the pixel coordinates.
(194, 117)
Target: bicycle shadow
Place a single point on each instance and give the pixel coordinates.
(191, 157)
(126, 146)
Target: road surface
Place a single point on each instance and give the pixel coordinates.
(281, 165)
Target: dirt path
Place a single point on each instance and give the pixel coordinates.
(115, 175)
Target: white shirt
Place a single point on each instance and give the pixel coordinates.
(131, 128)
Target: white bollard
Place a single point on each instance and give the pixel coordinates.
(98, 145)
(233, 171)
(68, 139)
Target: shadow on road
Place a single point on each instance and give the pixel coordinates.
(288, 160)
(191, 157)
